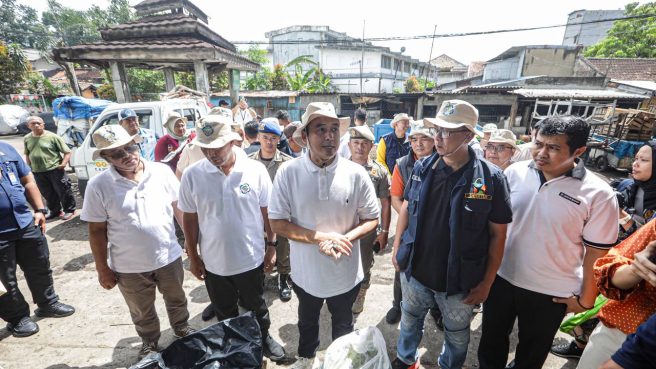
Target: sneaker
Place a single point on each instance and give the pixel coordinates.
(147, 348)
(567, 350)
(393, 315)
(304, 363)
(284, 287)
(398, 364)
(437, 317)
(184, 332)
(358, 305)
(24, 328)
(67, 216)
(272, 349)
(54, 215)
(55, 310)
(208, 313)
(478, 308)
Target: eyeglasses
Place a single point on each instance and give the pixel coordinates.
(496, 148)
(121, 152)
(443, 133)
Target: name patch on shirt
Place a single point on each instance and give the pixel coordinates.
(569, 198)
(478, 196)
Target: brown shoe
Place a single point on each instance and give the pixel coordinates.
(358, 305)
(147, 348)
(183, 332)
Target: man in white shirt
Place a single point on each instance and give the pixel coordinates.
(360, 119)
(242, 114)
(224, 198)
(564, 218)
(130, 210)
(323, 204)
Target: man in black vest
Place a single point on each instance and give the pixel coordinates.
(453, 226)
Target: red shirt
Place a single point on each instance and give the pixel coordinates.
(167, 144)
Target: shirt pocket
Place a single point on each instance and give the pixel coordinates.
(475, 213)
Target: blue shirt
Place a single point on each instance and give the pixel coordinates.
(639, 349)
(15, 211)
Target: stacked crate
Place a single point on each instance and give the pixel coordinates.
(630, 124)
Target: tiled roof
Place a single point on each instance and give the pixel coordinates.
(627, 69)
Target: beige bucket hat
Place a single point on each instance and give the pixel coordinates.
(504, 136)
(214, 132)
(399, 117)
(417, 127)
(110, 137)
(455, 114)
(361, 132)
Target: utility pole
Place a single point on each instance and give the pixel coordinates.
(362, 58)
(430, 56)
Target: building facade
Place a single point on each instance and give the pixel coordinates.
(579, 32)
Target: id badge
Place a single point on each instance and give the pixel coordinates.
(12, 178)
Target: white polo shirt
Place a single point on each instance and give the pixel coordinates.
(331, 199)
(189, 155)
(139, 217)
(552, 222)
(229, 215)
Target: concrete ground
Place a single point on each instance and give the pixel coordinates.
(101, 335)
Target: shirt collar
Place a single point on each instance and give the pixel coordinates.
(578, 172)
(116, 176)
(239, 162)
(314, 168)
(276, 157)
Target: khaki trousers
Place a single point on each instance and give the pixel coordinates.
(138, 290)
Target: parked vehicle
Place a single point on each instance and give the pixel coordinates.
(152, 115)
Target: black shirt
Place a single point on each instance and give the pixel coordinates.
(431, 257)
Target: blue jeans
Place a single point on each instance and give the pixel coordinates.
(417, 299)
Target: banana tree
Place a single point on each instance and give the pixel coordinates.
(299, 80)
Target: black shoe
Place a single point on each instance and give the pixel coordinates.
(567, 350)
(272, 349)
(393, 315)
(284, 287)
(55, 310)
(24, 328)
(208, 313)
(398, 364)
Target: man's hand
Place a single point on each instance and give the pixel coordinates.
(40, 221)
(573, 306)
(478, 294)
(382, 239)
(197, 267)
(61, 167)
(329, 248)
(642, 266)
(269, 259)
(339, 242)
(107, 278)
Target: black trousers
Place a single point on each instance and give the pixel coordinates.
(309, 311)
(538, 321)
(55, 186)
(27, 248)
(245, 289)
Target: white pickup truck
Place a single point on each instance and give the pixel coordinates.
(152, 115)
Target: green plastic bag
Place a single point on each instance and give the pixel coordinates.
(577, 319)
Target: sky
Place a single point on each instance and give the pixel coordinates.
(249, 20)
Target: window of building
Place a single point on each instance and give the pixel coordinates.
(386, 62)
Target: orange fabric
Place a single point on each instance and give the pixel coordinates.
(626, 309)
(398, 186)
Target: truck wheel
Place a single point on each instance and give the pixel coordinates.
(602, 163)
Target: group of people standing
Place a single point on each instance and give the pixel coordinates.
(531, 238)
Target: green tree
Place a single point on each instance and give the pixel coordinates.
(142, 81)
(40, 85)
(412, 85)
(256, 55)
(106, 92)
(300, 79)
(631, 38)
(260, 80)
(219, 81)
(320, 83)
(20, 24)
(14, 68)
(279, 78)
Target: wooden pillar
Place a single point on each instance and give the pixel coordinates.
(233, 77)
(69, 69)
(202, 79)
(120, 82)
(419, 114)
(513, 114)
(169, 79)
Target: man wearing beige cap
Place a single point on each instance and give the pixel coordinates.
(130, 210)
(394, 145)
(453, 227)
(501, 148)
(361, 141)
(224, 198)
(323, 204)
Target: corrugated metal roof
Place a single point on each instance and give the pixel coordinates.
(268, 94)
(576, 94)
(647, 85)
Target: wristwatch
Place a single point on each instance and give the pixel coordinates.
(43, 211)
(273, 244)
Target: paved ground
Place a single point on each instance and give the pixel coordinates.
(101, 335)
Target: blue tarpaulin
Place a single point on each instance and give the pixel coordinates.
(621, 148)
(76, 107)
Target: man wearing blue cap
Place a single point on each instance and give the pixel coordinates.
(268, 136)
(129, 120)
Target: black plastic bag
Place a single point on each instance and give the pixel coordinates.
(229, 344)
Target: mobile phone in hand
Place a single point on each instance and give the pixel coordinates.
(376, 247)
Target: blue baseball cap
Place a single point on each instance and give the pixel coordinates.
(269, 126)
(126, 113)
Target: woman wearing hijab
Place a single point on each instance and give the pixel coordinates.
(170, 146)
(637, 200)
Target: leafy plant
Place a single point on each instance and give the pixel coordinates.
(412, 85)
(14, 68)
(106, 92)
(320, 83)
(279, 78)
(40, 85)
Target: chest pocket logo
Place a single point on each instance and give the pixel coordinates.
(244, 188)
